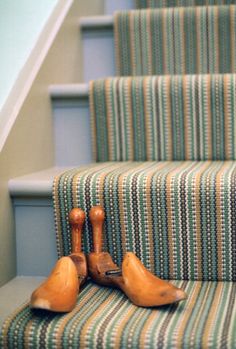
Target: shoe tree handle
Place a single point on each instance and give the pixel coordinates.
(76, 219)
(97, 216)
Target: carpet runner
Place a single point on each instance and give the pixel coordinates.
(180, 3)
(105, 318)
(187, 40)
(178, 216)
(164, 118)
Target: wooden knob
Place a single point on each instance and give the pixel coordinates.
(97, 216)
(76, 219)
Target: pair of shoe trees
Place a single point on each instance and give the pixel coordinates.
(59, 292)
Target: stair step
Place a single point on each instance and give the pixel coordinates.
(98, 46)
(113, 5)
(79, 91)
(96, 22)
(37, 184)
(34, 220)
(71, 124)
(16, 292)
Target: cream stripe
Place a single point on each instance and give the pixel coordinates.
(149, 175)
(92, 318)
(212, 315)
(65, 320)
(219, 214)
(227, 118)
(147, 325)
(232, 37)
(122, 325)
(208, 121)
(170, 213)
(187, 312)
(205, 166)
(109, 117)
(93, 120)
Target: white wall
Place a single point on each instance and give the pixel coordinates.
(29, 146)
(21, 22)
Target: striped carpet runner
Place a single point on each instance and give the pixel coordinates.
(164, 118)
(187, 40)
(104, 318)
(178, 217)
(154, 142)
(180, 3)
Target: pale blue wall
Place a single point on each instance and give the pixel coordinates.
(21, 22)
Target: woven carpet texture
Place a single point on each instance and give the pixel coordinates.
(187, 40)
(164, 118)
(104, 318)
(178, 217)
(180, 3)
(164, 142)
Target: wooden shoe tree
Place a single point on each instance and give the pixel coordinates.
(140, 286)
(59, 292)
(76, 219)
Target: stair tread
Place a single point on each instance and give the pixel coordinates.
(91, 22)
(35, 184)
(16, 292)
(69, 90)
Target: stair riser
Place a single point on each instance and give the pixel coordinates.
(72, 132)
(113, 5)
(35, 236)
(98, 53)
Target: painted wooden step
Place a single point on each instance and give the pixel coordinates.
(34, 220)
(98, 47)
(113, 5)
(71, 124)
(15, 293)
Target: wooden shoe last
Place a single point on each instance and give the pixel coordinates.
(59, 292)
(140, 286)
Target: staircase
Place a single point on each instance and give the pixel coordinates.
(164, 145)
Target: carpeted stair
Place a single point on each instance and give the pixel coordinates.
(165, 172)
(180, 3)
(188, 40)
